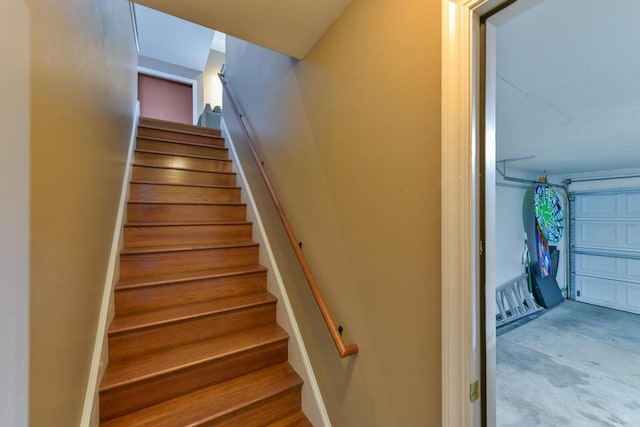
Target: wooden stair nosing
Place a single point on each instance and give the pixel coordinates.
(222, 187)
(180, 169)
(173, 141)
(148, 281)
(188, 203)
(166, 361)
(218, 401)
(178, 223)
(138, 321)
(212, 132)
(193, 156)
(152, 121)
(184, 248)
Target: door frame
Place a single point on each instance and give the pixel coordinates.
(465, 357)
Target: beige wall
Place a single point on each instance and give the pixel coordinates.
(351, 138)
(212, 86)
(83, 62)
(14, 214)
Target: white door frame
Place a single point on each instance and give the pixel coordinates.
(462, 337)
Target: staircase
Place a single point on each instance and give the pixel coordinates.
(194, 339)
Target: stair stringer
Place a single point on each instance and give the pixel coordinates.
(312, 403)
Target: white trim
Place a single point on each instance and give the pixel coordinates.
(92, 387)
(461, 346)
(176, 78)
(313, 404)
(134, 21)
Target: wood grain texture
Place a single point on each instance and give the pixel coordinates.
(158, 158)
(172, 135)
(181, 148)
(151, 332)
(181, 176)
(163, 375)
(295, 419)
(194, 338)
(174, 212)
(166, 260)
(192, 287)
(163, 124)
(180, 234)
(144, 192)
(259, 397)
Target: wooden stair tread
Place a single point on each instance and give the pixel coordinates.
(182, 248)
(147, 122)
(226, 187)
(178, 313)
(295, 419)
(141, 165)
(140, 368)
(213, 402)
(137, 282)
(174, 141)
(193, 156)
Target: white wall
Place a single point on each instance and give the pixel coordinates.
(212, 85)
(14, 214)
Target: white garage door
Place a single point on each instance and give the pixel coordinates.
(606, 249)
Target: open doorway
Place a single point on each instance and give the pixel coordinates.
(563, 286)
(178, 65)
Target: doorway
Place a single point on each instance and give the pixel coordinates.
(557, 109)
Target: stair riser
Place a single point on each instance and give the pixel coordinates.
(170, 147)
(131, 343)
(119, 401)
(178, 136)
(164, 160)
(177, 176)
(185, 234)
(159, 296)
(263, 412)
(182, 194)
(185, 213)
(161, 124)
(138, 265)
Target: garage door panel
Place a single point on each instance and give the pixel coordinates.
(633, 269)
(598, 205)
(597, 290)
(606, 249)
(633, 204)
(591, 264)
(632, 232)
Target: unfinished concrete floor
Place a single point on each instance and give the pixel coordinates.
(576, 365)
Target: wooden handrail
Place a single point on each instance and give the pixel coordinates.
(343, 349)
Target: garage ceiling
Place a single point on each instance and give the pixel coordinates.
(568, 85)
(291, 27)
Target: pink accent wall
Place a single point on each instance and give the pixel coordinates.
(165, 99)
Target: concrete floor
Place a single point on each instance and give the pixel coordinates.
(576, 365)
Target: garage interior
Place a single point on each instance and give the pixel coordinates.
(567, 86)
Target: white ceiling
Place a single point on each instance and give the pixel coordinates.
(291, 27)
(173, 40)
(568, 85)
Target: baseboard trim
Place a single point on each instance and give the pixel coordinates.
(317, 413)
(97, 368)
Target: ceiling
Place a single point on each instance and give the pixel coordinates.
(172, 40)
(568, 85)
(291, 27)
